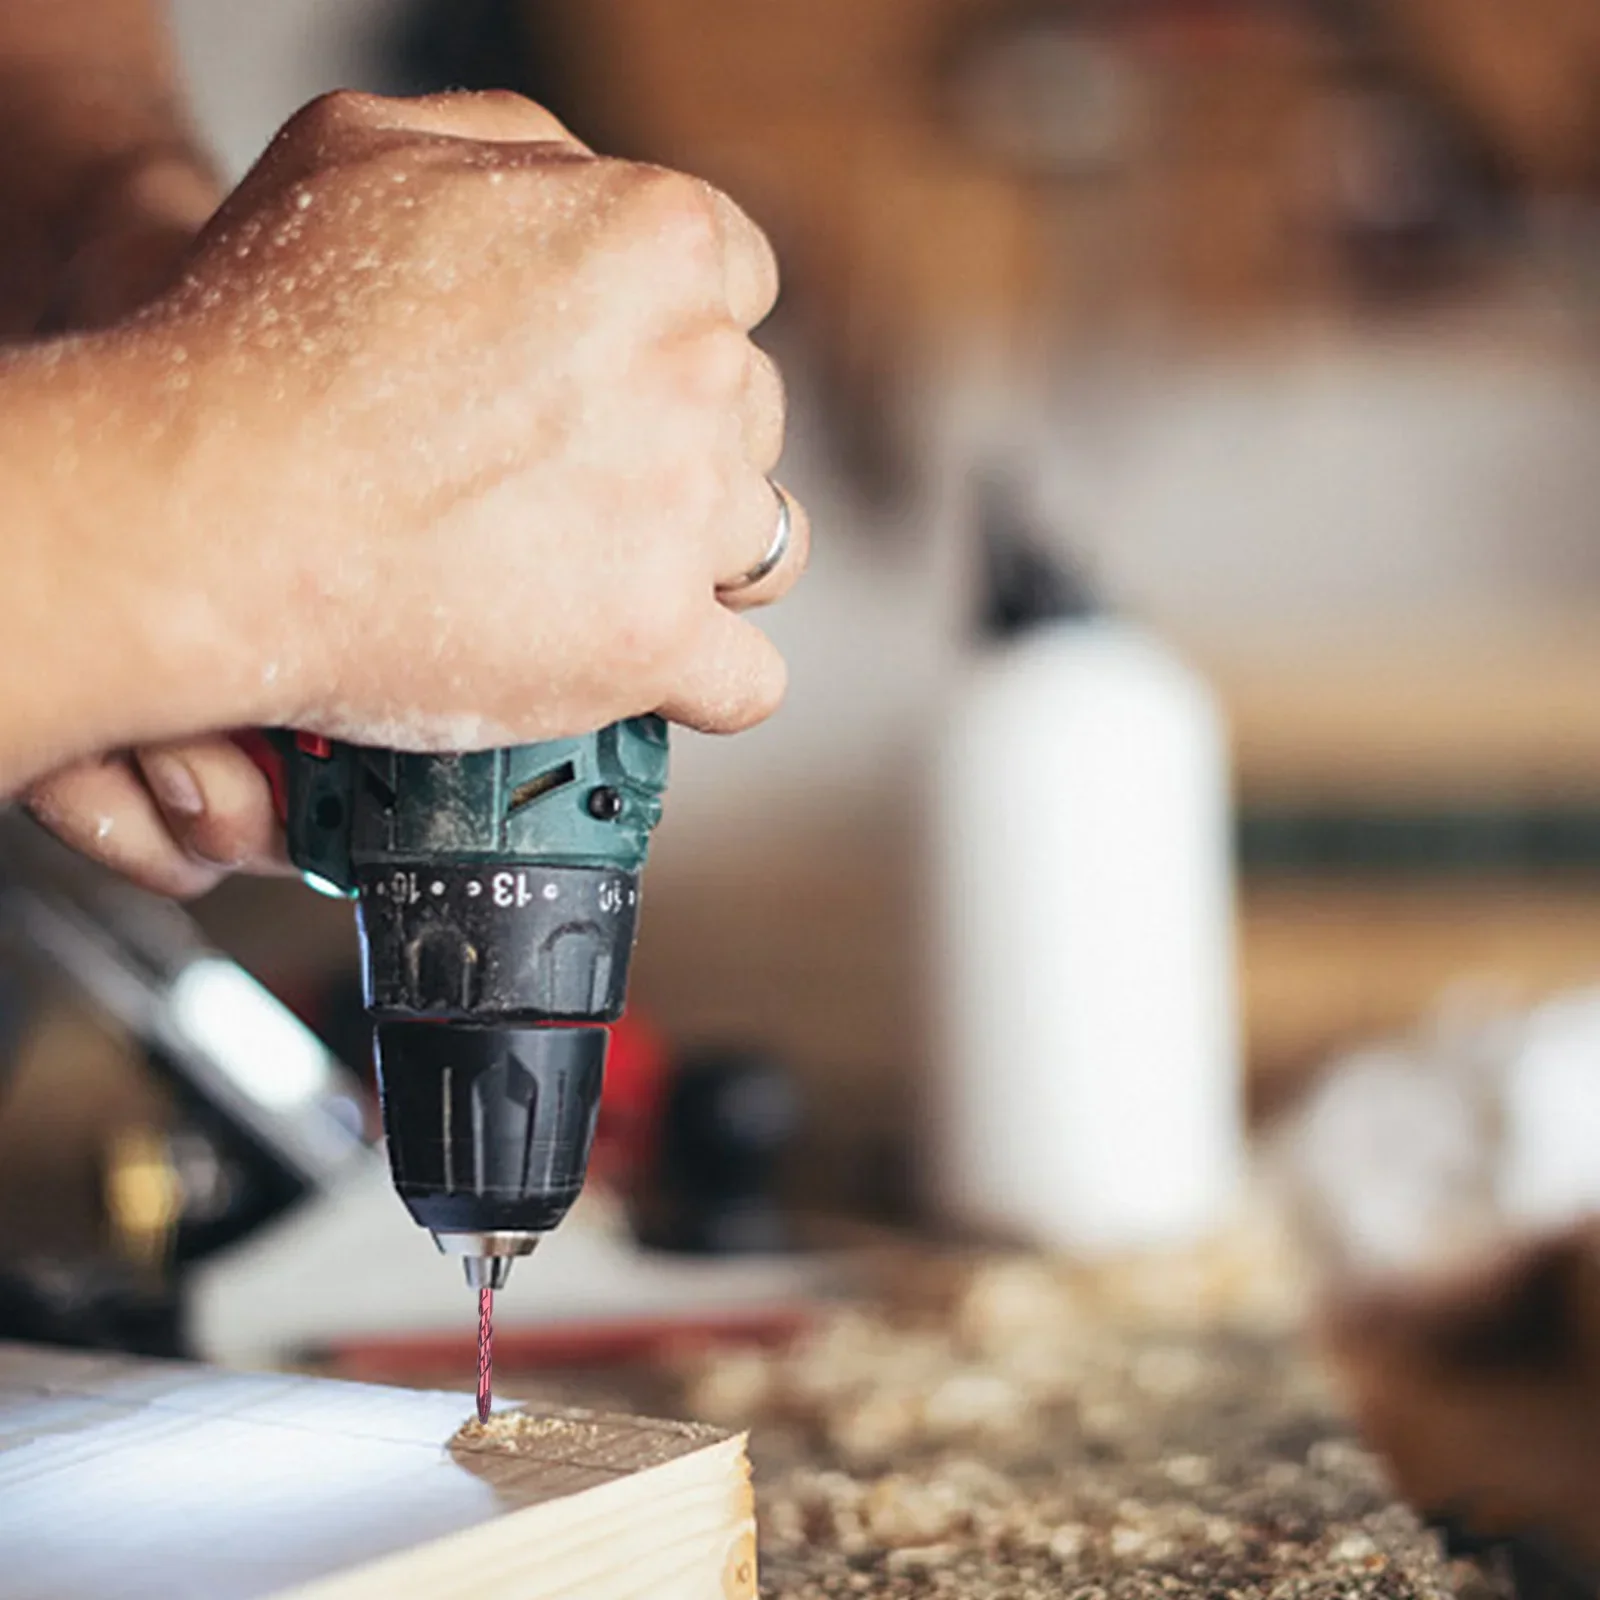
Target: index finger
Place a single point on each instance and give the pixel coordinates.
(749, 263)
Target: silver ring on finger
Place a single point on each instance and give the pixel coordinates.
(776, 551)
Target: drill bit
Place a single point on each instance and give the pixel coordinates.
(485, 1351)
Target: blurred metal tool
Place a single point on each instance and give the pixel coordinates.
(281, 1110)
(144, 1197)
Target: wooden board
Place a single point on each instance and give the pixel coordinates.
(138, 1480)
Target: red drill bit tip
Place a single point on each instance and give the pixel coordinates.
(485, 1352)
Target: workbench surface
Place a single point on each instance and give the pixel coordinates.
(1005, 1433)
(1187, 1468)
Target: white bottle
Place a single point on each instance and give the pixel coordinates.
(1087, 1085)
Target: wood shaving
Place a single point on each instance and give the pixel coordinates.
(571, 1434)
(1017, 1433)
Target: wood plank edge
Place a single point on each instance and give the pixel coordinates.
(666, 1532)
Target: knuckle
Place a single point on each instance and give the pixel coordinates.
(767, 254)
(526, 118)
(777, 688)
(717, 364)
(502, 100)
(769, 683)
(769, 375)
(331, 114)
(767, 406)
(752, 239)
(677, 212)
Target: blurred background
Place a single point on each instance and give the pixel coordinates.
(1273, 321)
(1281, 317)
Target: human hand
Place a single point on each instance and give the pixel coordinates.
(467, 433)
(140, 810)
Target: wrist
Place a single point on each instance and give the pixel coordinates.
(130, 610)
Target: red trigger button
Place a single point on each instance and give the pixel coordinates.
(269, 758)
(313, 744)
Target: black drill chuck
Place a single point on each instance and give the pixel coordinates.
(489, 1129)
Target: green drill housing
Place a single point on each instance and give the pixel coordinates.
(497, 899)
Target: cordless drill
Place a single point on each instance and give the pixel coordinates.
(497, 898)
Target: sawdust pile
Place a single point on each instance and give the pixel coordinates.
(1021, 1430)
